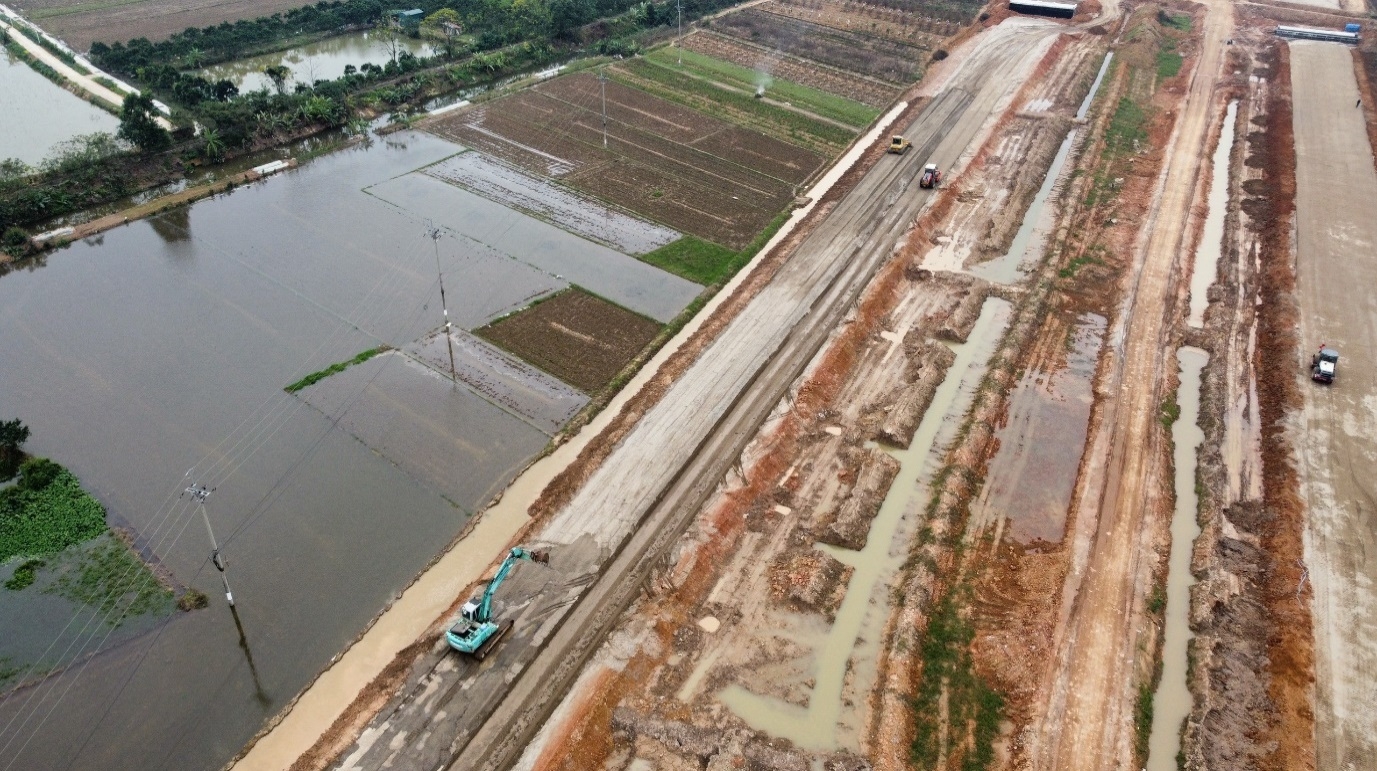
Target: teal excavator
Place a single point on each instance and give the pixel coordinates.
(476, 633)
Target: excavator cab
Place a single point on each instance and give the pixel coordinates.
(475, 633)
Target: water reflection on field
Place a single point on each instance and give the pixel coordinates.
(322, 60)
(134, 354)
(36, 113)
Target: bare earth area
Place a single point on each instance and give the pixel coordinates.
(83, 23)
(1336, 432)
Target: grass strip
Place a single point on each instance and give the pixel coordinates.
(973, 708)
(704, 262)
(1127, 129)
(1168, 64)
(827, 105)
(699, 261)
(47, 45)
(335, 369)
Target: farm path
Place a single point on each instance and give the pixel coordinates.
(1088, 719)
(457, 713)
(65, 70)
(1335, 236)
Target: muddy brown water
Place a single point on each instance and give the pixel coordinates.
(322, 60)
(133, 354)
(1172, 702)
(36, 114)
(1212, 235)
(850, 645)
(1033, 474)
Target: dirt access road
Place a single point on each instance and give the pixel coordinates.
(1336, 433)
(1088, 723)
(454, 713)
(83, 82)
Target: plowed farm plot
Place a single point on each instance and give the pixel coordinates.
(678, 123)
(795, 69)
(575, 336)
(650, 164)
(867, 19)
(874, 56)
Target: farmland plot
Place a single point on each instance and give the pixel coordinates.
(540, 198)
(557, 131)
(740, 106)
(795, 69)
(581, 339)
(689, 126)
(867, 19)
(885, 59)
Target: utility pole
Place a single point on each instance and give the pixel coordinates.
(449, 341)
(602, 83)
(200, 493)
(679, 44)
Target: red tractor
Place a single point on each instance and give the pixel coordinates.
(932, 177)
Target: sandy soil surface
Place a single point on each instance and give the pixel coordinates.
(1336, 185)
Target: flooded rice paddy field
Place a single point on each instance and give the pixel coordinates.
(135, 354)
(481, 225)
(65, 115)
(668, 163)
(540, 198)
(322, 60)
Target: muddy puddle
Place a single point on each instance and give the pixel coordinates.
(1212, 235)
(1026, 247)
(1033, 474)
(848, 650)
(322, 60)
(1172, 702)
(49, 114)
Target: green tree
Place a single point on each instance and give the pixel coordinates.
(212, 146)
(278, 74)
(566, 16)
(13, 434)
(15, 243)
(138, 124)
(448, 26)
(38, 473)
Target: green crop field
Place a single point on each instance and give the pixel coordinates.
(728, 104)
(811, 99)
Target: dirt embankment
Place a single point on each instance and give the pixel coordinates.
(1253, 656)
